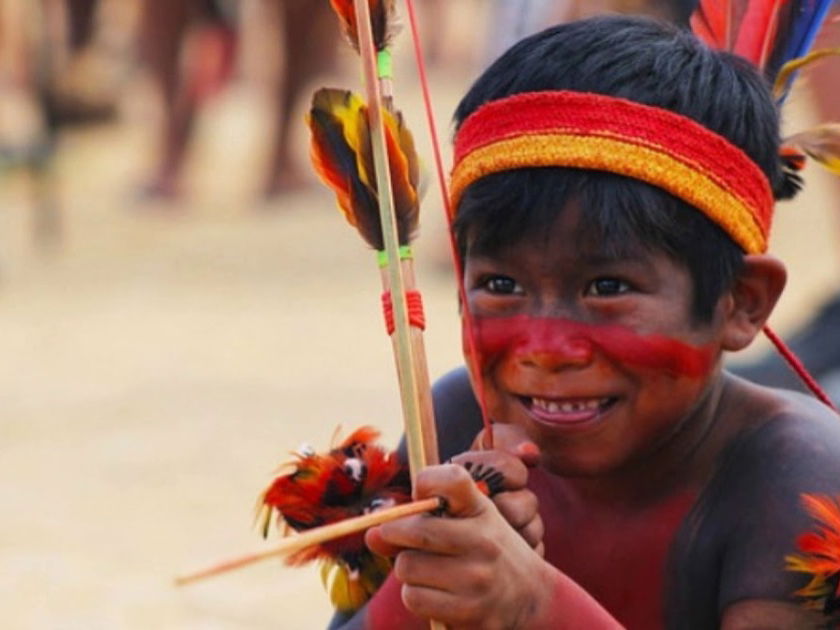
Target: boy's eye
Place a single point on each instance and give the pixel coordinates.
(607, 286)
(501, 285)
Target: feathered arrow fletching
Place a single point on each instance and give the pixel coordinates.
(342, 156)
(382, 18)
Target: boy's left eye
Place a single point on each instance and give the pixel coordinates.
(607, 286)
(501, 285)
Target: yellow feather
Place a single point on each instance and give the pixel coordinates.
(795, 64)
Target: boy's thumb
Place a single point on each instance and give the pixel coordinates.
(455, 485)
(510, 439)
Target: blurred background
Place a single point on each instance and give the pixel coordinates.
(181, 305)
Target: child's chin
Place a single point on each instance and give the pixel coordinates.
(587, 457)
(570, 464)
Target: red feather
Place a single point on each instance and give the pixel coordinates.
(711, 22)
(745, 27)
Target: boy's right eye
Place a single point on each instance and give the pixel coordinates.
(501, 285)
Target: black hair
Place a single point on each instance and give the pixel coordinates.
(647, 62)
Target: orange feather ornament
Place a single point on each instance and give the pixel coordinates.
(342, 156)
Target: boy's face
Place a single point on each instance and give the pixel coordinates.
(597, 358)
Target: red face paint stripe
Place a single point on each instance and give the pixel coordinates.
(562, 340)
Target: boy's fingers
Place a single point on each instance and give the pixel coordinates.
(519, 507)
(432, 603)
(533, 534)
(432, 534)
(514, 474)
(510, 439)
(377, 544)
(521, 510)
(446, 573)
(455, 485)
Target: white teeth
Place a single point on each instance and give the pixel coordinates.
(552, 406)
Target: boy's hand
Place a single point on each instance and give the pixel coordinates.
(513, 454)
(470, 570)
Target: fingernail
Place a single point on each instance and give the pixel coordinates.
(528, 449)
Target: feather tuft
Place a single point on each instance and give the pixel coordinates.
(353, 478)
(820, 554)
(342, 156)
(382, 17)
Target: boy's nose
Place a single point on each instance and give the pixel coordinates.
(555, 354)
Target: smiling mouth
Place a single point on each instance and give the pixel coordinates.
(560, 411)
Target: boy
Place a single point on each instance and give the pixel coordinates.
(613, 185)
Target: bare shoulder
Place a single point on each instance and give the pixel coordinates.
(785, 424)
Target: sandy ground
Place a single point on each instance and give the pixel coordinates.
(159, 362)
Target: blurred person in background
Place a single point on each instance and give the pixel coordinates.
(90, 62)
(189, 47)
(310, 38)
(51, 75)
(514, 19)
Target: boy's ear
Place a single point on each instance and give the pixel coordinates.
(751, 299)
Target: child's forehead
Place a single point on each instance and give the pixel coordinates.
(573, 230)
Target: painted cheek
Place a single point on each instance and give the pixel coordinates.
(553, 343)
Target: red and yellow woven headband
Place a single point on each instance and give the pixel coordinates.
(591, 131)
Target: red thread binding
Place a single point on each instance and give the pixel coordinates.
(416, 316)
(796, 365)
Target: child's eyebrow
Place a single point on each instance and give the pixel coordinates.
(610, 257)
